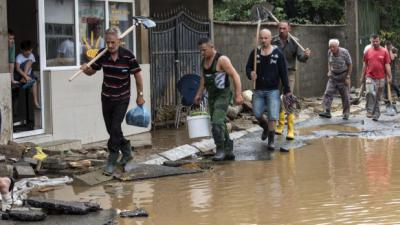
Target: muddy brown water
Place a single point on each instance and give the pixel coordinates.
(330, 181)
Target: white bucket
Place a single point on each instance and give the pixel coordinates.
(199, 126)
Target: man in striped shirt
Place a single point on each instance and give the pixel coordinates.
(117, 63)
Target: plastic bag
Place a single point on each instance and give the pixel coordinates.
(138, 116)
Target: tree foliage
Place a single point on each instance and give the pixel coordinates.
(298, 11)
(389, 11)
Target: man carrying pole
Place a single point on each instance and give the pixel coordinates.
(375, 67)
(269, 72)
(292, 50)
(117, 63)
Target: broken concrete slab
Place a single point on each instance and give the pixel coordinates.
(180, 152)
(93, 178)
(153, 159)
(254, 129)
(111, 222)
(27, 214)
(205, 145)
(2, 158)
(191, 164)
(237, 134)
(94, 218)
(24, 171)
(61, 145)
(139, 212)
(144, 171)
(31, 161)
(53, 206)
(54, 163)
(97, 162)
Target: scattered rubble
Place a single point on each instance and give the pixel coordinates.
(139, 212)
(145, 171)
(57, 207)
(27, 214)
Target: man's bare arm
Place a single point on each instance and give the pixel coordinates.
(230, 70)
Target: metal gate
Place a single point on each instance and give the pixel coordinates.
(368, 17)
(173, 53)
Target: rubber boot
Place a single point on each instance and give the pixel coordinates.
(229, 150)
(264, 134)
(111, 162)
(271, 141)
(220, 155)
(325, 114)
(219, 139)
(281, 123)
(126, 150)
(290, 133)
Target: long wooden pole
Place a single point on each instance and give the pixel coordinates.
(255, 52)
(130, 29)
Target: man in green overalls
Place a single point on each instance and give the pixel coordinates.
(216, 69)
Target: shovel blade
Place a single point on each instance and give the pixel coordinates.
(355, 101)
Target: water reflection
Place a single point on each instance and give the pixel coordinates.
(330, 181)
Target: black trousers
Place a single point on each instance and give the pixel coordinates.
(113, 114)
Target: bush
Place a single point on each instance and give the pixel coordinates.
(298, 11)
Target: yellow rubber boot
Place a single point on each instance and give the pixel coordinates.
(281, 123)
(290, 125)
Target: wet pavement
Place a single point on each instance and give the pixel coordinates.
(336, 172)
(344, 173)
(329, 181)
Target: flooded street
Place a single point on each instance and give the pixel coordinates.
(329, 181)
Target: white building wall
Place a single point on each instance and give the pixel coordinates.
(76, 106)
(5, 108)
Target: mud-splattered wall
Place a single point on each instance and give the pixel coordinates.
(236, 40)
(5, 87)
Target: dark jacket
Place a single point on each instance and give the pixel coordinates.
(291, 52)
(271, 70)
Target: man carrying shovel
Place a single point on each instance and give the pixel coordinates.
(269, 72)
(288, 44)
(118, 64)
(376, 65)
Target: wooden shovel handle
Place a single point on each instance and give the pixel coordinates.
(255, 51)
(130, 29)
(89, 63)
(291, 36)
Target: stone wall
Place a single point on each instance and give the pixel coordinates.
(236, 40)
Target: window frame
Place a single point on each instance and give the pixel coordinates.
(42, 33)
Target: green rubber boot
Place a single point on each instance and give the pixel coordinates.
(111, 162)
(126, 150)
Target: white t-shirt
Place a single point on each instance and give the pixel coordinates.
(367, 47)
(67, 49)
(21, 59)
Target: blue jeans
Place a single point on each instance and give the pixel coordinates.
(266, 99)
